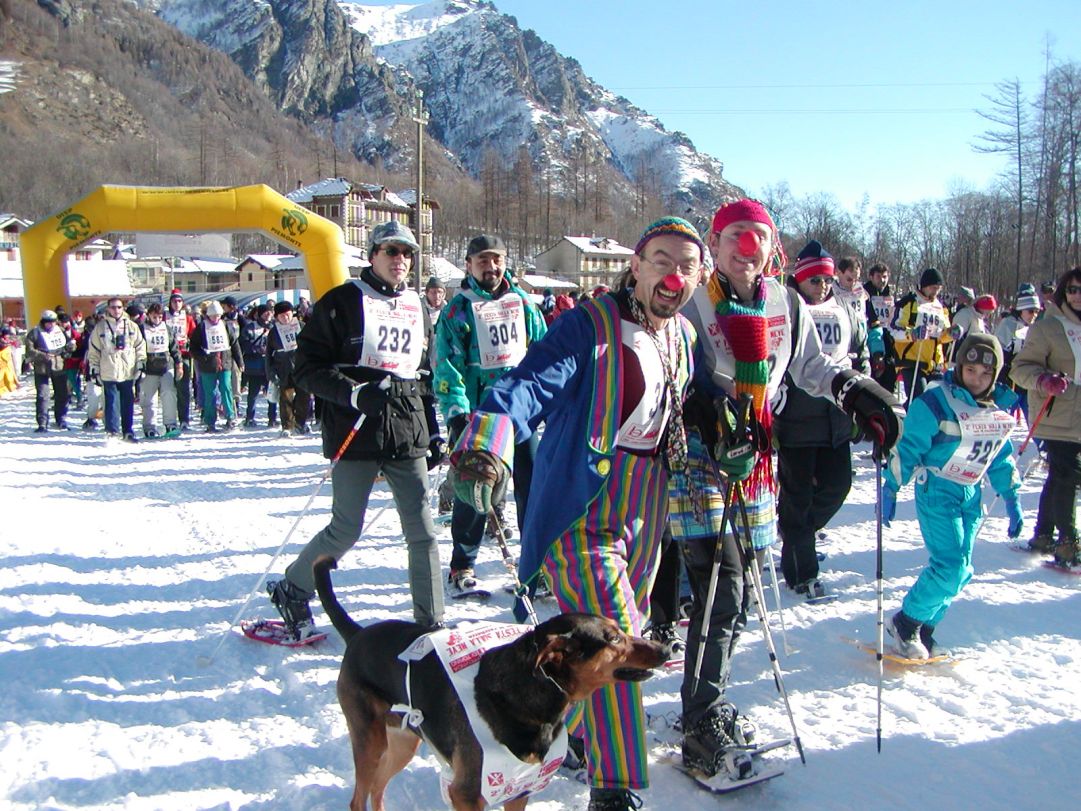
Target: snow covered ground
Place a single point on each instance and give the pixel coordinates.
(124, 564)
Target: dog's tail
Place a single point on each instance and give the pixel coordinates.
(341, 621)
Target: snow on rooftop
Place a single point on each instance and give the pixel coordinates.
(604, 245)
(337, 186)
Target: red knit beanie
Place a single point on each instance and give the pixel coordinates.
(745, 209)
(985, 304)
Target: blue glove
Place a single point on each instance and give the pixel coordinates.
(889, 505)
(1017, 518)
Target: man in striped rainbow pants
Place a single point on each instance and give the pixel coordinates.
(608, 381)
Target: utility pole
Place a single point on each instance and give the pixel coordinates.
(420, 118)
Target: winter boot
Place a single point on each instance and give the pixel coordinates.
(811, 589)
(1042, 544)
(928, 640)
(462, 579)
(666, 634)
(613, 799)
(91, 425)
(708, 747)
(905, 631)
(292, 604)
(1067, 551)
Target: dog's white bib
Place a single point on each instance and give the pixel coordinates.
(503, 776)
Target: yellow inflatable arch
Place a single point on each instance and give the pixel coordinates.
(176, 210)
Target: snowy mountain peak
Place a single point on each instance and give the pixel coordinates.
(402, 22)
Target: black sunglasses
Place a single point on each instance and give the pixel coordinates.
(1073, 289)
(393, 251)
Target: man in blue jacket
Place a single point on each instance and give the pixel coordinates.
(608, 381)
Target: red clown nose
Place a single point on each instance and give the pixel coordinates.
(748, 243)
(673, 282)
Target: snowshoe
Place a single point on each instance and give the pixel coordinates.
(292, 604)
(708, 748)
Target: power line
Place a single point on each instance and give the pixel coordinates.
(807, 86)
(820, 111)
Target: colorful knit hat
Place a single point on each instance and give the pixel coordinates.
(671, 225)
(813, 260)
(985, 303)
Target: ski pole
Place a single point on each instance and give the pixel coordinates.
(777, 600)
(520, 591)
(205, 661)
(1031, 465)
(747, 547)
(880, 648)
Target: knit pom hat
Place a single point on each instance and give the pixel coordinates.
(979, 347)
(967, 292)
(929, 277)
(214, 308)
(813, 260)
(671, 225)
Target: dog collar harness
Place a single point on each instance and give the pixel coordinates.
(503, 776)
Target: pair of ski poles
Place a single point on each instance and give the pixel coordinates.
(205, 661)
(733, 498)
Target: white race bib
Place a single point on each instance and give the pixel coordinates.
(983, 430)
(178, 325)
(288, 334)
(217, 340)
(719, 353)
(883, 307)
(931, 314)
(503, 776)
(833, 326)
(500, 329)
(393, 332)
(157, 339)
(1073, 336)
(644, 426)
(54, 340)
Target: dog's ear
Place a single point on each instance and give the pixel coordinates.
(555, 649)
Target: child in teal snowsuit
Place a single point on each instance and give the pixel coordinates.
(955, 434)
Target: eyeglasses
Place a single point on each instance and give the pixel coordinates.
(1072, 289)
(983, 356)
(666, 267)
(393, 251)
(819, 280)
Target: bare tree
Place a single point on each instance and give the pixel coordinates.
(1010, 117)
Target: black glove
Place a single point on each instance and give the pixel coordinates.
(700, 413)
(878, 364)
(877, 412)
(369, 398)
(437, 452)
(455, 426)
(479, 479)
(95, 376)
(740, 437)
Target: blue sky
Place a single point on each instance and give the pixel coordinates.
(840, 97)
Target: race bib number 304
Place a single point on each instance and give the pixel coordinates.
(501, 338)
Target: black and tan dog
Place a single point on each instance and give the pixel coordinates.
(523, 690)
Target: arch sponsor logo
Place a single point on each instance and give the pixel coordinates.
(74, 226)
(294, 221)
